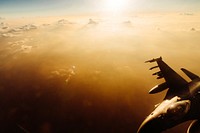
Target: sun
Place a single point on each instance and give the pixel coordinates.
(116, 5)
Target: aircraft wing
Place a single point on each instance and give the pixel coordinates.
(176, 84)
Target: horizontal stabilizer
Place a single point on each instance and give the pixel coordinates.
(191, 75)
(158, 88)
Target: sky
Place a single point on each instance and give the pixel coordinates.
(40, 7)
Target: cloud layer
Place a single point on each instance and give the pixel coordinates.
(88, 75)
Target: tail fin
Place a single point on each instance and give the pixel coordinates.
(191, 75)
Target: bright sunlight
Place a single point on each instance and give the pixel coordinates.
(116, 5)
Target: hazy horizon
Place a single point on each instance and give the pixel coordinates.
(71, 7)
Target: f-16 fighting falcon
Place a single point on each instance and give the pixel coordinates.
(181, 103)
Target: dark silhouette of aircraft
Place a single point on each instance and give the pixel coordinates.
(181, 103)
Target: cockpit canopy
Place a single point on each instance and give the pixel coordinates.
(179, 108)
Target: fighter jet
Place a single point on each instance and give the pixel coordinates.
(181, 103)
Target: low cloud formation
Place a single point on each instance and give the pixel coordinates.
(91, 21)
(70, 79)
(66, 74)
(28, 27)
(64, 22)
(3, 26)
(128, 23)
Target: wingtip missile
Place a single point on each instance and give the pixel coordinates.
(153, 60)
(150, 61)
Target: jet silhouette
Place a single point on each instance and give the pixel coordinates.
(181, 103)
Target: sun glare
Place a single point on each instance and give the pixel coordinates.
(116, 5)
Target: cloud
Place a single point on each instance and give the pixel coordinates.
(14, 49)
(17, 43)
(7, 35)
(28, 27)
(4, 26)
(127, 23)
(92, 22)
(64, 73)
(26, 49)
(64, 22)
(13, 31)
(193, 29)
(187, 14)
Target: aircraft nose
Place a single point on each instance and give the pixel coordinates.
(150, 125)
